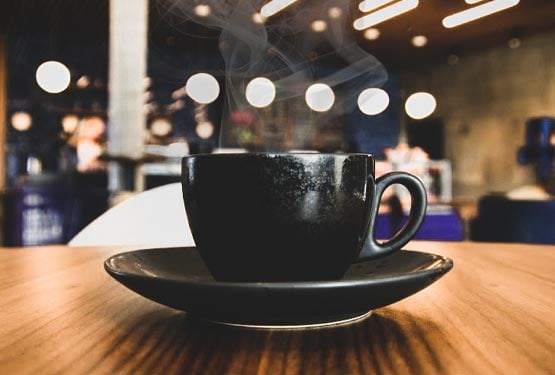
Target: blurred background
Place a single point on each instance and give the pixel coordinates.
(100, 99)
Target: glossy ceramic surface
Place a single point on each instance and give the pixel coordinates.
(282, 212)
(178, 278)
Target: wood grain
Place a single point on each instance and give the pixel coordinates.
(493, 313)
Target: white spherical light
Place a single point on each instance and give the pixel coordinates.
(53, 77)
(203, 88)
(373, 101)
(319, 97)
(420, 105)
(260, 92)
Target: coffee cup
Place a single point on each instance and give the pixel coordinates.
(290, 216)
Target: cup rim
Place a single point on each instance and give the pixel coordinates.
(258, 153)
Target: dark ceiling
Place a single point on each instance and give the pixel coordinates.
(76, 32)
(64, 21)
(527, 18)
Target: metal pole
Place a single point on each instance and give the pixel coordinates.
(403, 121)
(3, 110)
(3, 126)
(128, 60)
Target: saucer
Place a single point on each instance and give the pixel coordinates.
(177, 277)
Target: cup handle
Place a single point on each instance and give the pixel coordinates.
(371, 248)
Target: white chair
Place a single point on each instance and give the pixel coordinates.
(154, 218)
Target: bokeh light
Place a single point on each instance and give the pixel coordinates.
(21, 121)
(260, 92)
(160, 127)
(319, 26)
(420, 105)
(373, 101)
(53, 77)
(258, 18)
(203, 88)
(70, 123)
(205, 129)
(419, 41)
(371, 33)
(203, 10)
(319, 97)
(335, 12)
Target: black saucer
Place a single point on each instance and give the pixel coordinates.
(177, 277)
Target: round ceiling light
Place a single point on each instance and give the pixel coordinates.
(319, 97)
(260, 92)
(203, 88)
(420, 105)
(53, 77)
(373, 101)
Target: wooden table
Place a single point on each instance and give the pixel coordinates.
(61, 313)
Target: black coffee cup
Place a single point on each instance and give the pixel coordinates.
(290, 217)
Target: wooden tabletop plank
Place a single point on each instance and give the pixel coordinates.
(493, 313)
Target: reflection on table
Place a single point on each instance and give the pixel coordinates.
(492, 313)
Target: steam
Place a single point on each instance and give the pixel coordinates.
(285, 50)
